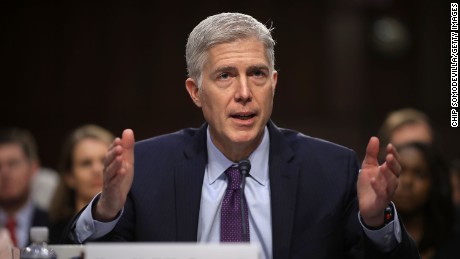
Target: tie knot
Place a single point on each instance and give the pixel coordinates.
(234, 178)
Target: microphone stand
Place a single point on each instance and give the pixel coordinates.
(244, 166)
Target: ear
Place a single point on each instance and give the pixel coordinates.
(274, 78)
(69, 180)
(34, 166)
(193, 91)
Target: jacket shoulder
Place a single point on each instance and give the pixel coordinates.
(167, 140)
(300, 142)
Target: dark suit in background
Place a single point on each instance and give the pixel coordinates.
(40, 219)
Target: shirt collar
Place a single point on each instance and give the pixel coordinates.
(218, 163)
(22, 217)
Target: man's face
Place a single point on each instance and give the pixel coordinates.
(236, 95)
(16, 171)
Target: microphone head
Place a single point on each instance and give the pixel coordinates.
(244, 166)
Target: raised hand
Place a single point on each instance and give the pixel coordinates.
(118, 177)
(377, 184)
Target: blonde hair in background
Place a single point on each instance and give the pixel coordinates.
(63, 204)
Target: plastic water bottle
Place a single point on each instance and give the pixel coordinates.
(38, 249)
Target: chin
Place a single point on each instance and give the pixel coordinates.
(244, 138)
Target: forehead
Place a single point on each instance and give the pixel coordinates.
(412, 132)
(89, 144)
(11, 150)
(250, 51)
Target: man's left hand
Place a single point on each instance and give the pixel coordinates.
(377, 183)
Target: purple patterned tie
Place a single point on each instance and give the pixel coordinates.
(231, 225)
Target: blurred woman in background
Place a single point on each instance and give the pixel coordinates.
(423, 199)
(80, 169)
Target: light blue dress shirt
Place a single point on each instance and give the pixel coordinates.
(257, 192)
(23, 223)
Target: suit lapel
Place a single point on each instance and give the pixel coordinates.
(283, 185)
(189, 176)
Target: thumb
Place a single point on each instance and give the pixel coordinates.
(372, 152)
(127, 142)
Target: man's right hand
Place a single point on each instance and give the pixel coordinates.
(118, 177)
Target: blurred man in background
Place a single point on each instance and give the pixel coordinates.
(18, 166)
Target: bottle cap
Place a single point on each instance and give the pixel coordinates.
(39, 234)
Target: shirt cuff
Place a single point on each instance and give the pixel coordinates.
(387, 237)
(87, 228)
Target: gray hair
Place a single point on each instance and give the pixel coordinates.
(224, 28)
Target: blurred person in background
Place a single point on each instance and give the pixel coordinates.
(43, 187)
(80, 169)
(411, 125)
(404, 126)
(423, 199)
(18, 166)
(455, 184)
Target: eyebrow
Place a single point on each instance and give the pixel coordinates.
(258, 67)
(233, 69)
(223, 69)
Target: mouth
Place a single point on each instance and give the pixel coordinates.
(243, 116)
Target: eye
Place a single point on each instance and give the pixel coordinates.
(13, 164)
(259, 73)
(224, 76)
(85, 163)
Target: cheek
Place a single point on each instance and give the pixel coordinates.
(81, 177)
(213, 108)
(422, 189)
(267, 97)
(21, 179)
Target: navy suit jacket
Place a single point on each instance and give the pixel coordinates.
(313, 196)
(39, 219)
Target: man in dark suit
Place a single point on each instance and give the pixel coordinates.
(303, 197)
(18, 165)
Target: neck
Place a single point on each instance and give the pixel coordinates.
(237, 151)
(11, 207)
(238, 154)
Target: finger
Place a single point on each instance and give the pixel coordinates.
(115, 142)
(390, 178)
(113, 168)
(118, 179)
(384, 186)
(127, 143)
(393, 165)
(382, 196)
(391, 149)
(112, 154)
(372, 152)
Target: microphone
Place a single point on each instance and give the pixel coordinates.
(244, 166)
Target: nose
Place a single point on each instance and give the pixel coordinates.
(243, 92)
(98, 167)
(405, 180)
